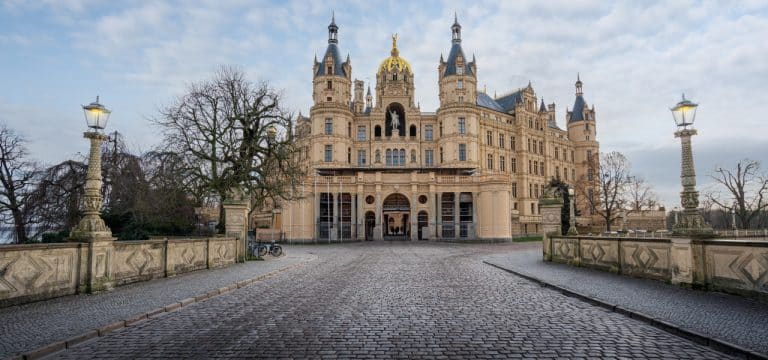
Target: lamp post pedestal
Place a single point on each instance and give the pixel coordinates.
(691, 221)
(92, 227)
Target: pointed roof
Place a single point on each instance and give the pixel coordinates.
(332, 51)
(542, 108)
(369, 90)
(579, 105)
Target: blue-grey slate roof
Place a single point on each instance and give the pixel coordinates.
(577, 114)
(450, 68)
(338, 69)
(487, 102)
(508, 102)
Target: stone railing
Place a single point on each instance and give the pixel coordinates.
(42, 271)
(736, 266)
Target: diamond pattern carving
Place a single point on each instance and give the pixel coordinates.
(597, 252)
(188, 255)
(645, 257)
(565, 249)
(5, 286)
(751, 269)
(222, 251)
(26, 271)
(139, 260)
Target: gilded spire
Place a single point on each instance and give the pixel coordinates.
(394, 51)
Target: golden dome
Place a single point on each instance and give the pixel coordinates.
(395, 62)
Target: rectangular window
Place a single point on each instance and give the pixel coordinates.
(589, 155)
(590, 173)
(490, 161)
(459, 84)
(557, 153)
(462, 125)
(329, 85)
(530, 149)
(514, 189)
(541, 147)
(462, 152)
(513, 165)
(530, 167)
(501, 141)
(536, 167)
(489, 137)
(361, 133)
(573, 159)
(565, 173)
(429, 157)
(573, 174)
(530, 190)
(328, 153)
(460, 70)
(512, 143)
(502, 164)
(428, 132)
(360, 157)
(328, 126)
(557, 172)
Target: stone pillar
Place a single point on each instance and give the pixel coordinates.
(353, 225)
(475, 202)
(97, 274)
(692, 222)
(336, 219)
(316, 223)
(456, 215)
(360, 215)
(236, 224)
(439, 216)
(551, 213)
(681, 262)
(378, 231)
(413, 217)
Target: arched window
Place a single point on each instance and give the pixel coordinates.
(413, 131)
(389, 157)
(402, 157)
(349, 155)
(377, 131)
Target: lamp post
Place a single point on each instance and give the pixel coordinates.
(572, 216)
(91, 226)
(733, 215)
(691, 222)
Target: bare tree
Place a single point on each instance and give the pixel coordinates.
(18, 176)
(58, 194)
(232, 133)
(639, 195)
(746, 188)
(604, 187)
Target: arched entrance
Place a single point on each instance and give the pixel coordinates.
(396, 212)
(423, 221)
(370, 223)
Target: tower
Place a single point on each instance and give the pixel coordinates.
(331, 115)
(395, 92)
(457, 76)
(583, 133)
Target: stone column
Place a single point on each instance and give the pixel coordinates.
(456, 215)
(475, 202)
(439, 216)
(692, 222)
(353, 225)
(91, 229)
(316, 223)
(378, 231)
(336, 219)
(236, 224)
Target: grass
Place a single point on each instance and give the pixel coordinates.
(530, 238)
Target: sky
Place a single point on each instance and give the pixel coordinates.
(635, 59)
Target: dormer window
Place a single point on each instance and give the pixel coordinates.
(459, 84)
(330, 70)
(394, 77)
(460, 70)
(329, 85)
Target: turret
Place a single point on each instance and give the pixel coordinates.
(368, 100)
(332, 76)
(358, 101)
(457, 75)
(583, 133)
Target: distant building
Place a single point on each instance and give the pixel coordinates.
(381, 168)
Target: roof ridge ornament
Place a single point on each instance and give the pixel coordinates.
(394, 52)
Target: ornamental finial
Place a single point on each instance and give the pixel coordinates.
(394, 52)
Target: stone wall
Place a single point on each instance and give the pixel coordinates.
(736, 266)
(42, 271)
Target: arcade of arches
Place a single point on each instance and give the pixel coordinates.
(346, 216)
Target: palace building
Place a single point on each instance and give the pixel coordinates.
(378, 167)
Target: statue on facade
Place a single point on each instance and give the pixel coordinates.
(395, 120)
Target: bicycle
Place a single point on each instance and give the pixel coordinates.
(259, 249)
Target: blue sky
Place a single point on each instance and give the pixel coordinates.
(635, 59)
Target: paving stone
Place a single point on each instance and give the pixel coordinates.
(738, 320)
(392, 300)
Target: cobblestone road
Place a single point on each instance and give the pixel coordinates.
(735, 319)
(26, 327)
(392, 300)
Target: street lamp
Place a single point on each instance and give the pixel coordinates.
(572, 216)
(691, 222)
(91, 226)
(733, 216)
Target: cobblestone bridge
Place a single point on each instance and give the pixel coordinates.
(384, 300)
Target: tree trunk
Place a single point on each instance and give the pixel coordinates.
(18, 221)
